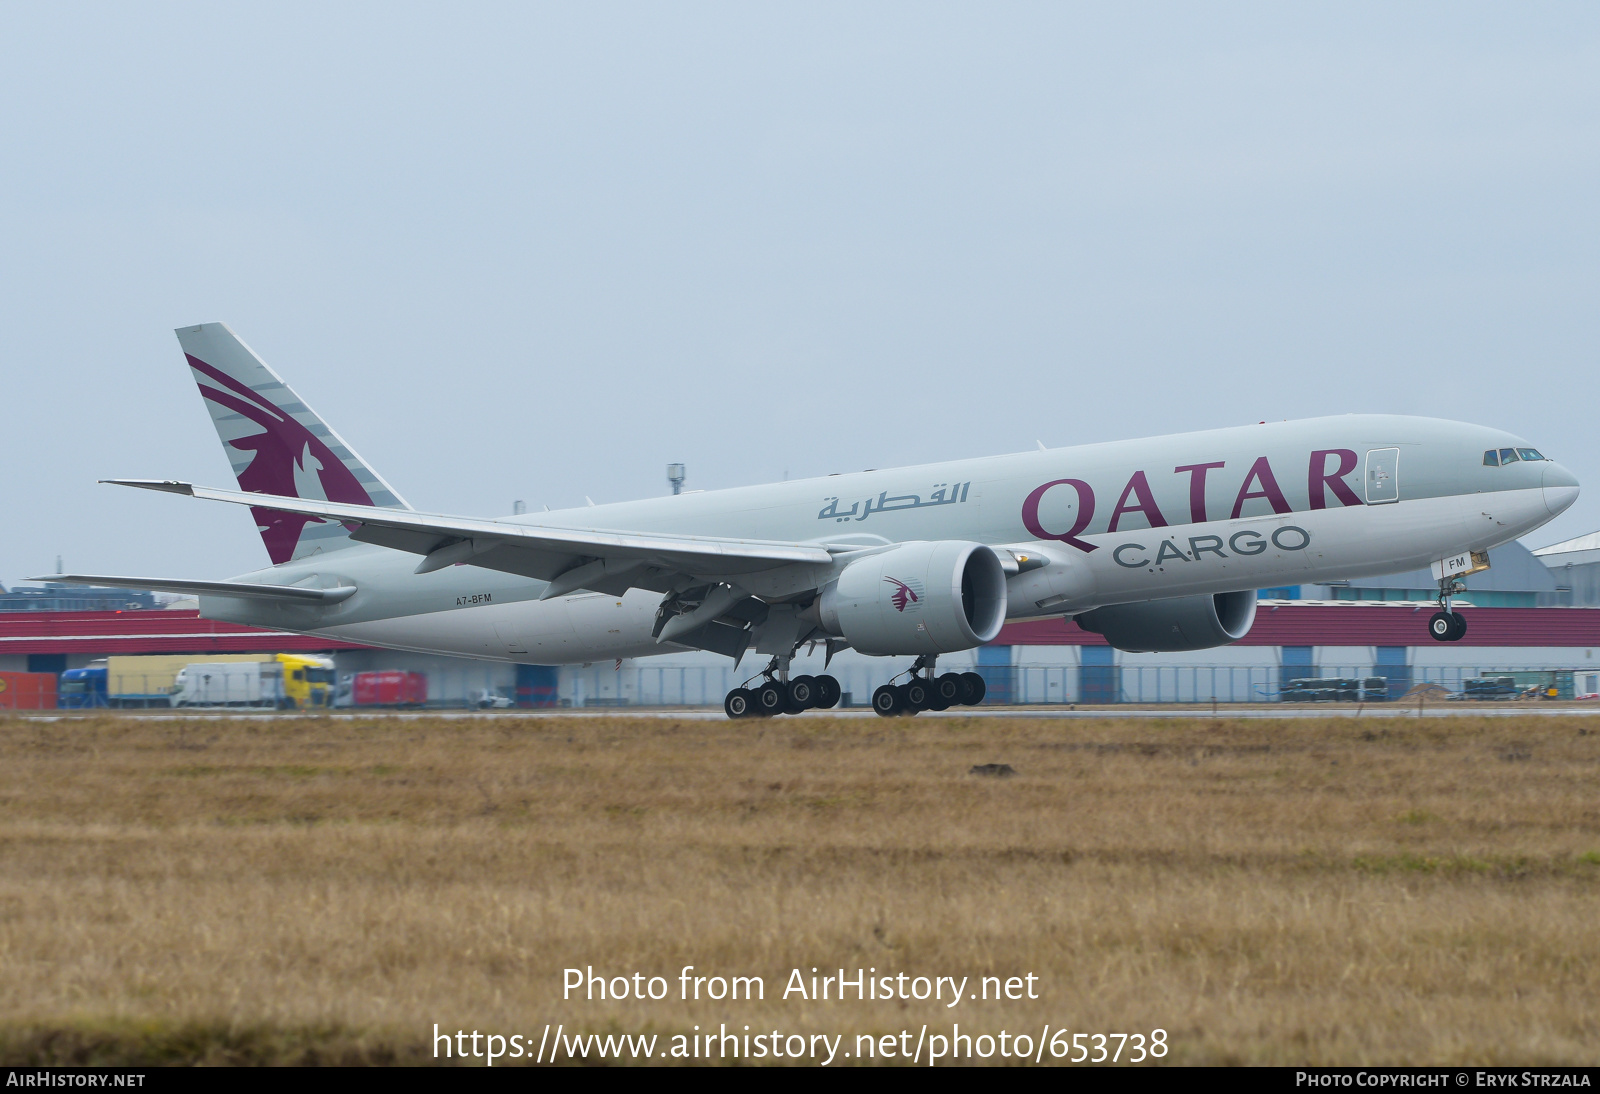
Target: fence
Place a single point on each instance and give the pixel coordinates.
(648, 685)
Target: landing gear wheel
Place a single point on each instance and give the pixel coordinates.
(904, 692)
(802, 694)
(973, 689)
(770, 699)
(947, 691)
(886, 700)
(828, 693)
(919, 696)
(739, 703)
(1446, 626)
(1440, 626)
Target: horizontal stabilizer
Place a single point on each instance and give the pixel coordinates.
(208, 588)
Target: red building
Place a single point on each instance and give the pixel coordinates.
(1051, 661)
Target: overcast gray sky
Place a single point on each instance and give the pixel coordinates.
(537, 252)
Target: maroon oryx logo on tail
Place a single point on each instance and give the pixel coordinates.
(289, 461)
(903, 594)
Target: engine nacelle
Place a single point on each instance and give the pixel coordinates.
(1180, 623)
(936, 597)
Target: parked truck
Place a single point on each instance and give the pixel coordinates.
(389, 688)
(287, 682)
(225, 684)
(82, 689)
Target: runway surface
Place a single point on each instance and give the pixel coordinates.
(1331, 710)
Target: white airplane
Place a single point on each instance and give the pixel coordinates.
(1156, 544)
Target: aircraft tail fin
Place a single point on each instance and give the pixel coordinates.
(278, 445)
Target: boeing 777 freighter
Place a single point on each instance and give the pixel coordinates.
(1157, 544)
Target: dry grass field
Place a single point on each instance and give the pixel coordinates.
(325, 890)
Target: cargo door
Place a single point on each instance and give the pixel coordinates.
(1383, 476)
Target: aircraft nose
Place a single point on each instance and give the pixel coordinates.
(1560, 489)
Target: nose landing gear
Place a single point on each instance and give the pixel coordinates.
(1446, 625)
(925, 691)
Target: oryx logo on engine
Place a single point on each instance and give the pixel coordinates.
(906, 594)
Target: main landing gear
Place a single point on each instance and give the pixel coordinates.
(1445, 625)
(925, 691)
(777, 694)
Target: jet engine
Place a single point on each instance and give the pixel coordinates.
(921, 597)
(1180, 623)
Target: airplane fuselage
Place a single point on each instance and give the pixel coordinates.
(1219, 511)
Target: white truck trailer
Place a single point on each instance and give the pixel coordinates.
(231, 684)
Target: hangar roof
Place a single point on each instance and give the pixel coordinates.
(1590, 542)
(1579, 551)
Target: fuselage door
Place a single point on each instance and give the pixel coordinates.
(1383, 475)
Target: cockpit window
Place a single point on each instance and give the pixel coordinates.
(1500, 457)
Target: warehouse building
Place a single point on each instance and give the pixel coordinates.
(1575, 566)
(55, 597)
(1533, 618)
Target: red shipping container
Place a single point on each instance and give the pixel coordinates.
(27, 691)
(390, 689)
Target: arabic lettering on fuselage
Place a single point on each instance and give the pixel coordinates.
(943, 494)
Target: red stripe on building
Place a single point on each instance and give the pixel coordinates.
(101, 633)
(1376, 625)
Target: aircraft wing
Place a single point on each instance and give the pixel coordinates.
(572, 558)
(208, 588)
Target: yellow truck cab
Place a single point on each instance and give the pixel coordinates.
(308, 680)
